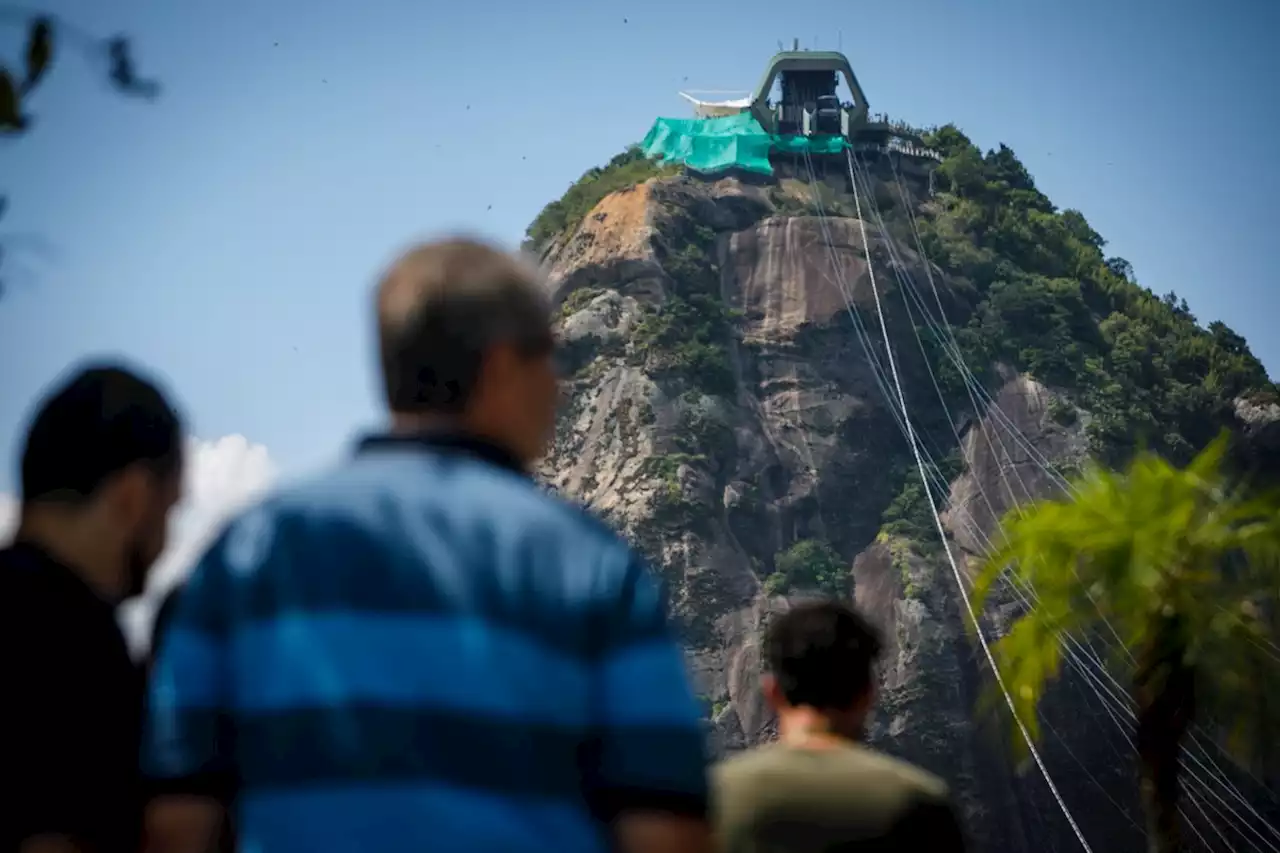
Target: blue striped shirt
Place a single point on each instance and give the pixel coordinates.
(423, 651)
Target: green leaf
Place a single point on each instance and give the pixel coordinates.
(1174, 559)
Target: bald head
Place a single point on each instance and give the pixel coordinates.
(443, 308)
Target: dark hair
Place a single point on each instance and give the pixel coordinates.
(96, 424)
(822, 654)
(441, 307)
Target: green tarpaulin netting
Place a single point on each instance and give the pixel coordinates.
(729, 142)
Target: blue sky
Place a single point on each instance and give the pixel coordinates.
(227, 235)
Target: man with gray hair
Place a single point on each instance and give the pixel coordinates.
(422, 650)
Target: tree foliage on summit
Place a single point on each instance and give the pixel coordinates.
(1048, 301)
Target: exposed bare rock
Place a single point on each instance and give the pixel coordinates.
(715, 451)
(1006, 454)
(1260, 419)
(783, 272)
(611, 248)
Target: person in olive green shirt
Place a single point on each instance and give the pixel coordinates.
(817, 790)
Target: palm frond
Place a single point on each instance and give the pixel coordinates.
(1139, 550)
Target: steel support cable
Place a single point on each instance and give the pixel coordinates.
(1048, 469)
(908, 285)
(1109, 702)
(907, 289)
(946, 546)
(928, 271)
(938, 480)
(1079, 661)
(1083, 660)
(952, 346)
(904, 280)
(1081, 657)
(1213, 769)
(970, 380)
(934, 472)
(950, 337)
(1198, 804)
(1003, 458)
(954, 353)
(864, 337)
(897, 271)
(905, 286)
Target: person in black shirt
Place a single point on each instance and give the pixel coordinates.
(101, 469)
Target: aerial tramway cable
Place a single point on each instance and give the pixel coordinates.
(1077, 661)
(950, 346)
(1214, 770)
(939, 481)
(924, 478)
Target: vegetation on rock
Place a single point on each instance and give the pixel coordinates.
(908, 515)
(702, 432)
(1034, 290)
(560, 217)
(577, 300)
(809, 564)
(671, 507)
(1025, 286)
(1047, 300)
(686, 336)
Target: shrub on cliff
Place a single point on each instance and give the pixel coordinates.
(563, 215)
(809, 564)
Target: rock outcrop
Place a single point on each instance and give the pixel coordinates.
(725, 406)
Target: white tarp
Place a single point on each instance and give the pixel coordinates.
(714, 109)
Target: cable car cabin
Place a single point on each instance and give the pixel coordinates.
(809, 104)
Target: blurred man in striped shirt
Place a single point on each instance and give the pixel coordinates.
(421, 650)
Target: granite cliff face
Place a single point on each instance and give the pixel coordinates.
(725, 413)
